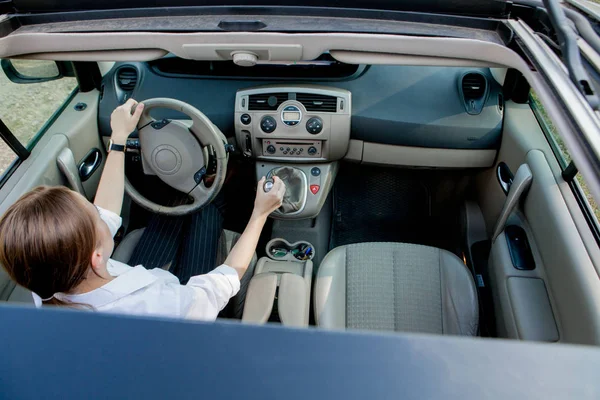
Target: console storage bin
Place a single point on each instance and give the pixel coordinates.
(280, 286)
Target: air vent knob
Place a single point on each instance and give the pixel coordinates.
(244, 59)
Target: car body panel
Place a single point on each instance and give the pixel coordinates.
(65, 354)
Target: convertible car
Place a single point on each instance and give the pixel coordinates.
(439, 235)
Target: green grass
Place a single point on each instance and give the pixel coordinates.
(25, 108)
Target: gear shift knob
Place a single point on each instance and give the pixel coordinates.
(268, 185)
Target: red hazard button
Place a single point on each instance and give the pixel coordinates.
(314, 188)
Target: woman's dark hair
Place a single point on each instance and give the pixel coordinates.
(47, 238)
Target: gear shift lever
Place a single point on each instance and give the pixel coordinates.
(296, 188)
(268, 185)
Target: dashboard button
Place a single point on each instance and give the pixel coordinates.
(312, 150)
(314, 125)
(268, 124)
(315, 171)
(246, 119)
(314, 189)
(271, 149)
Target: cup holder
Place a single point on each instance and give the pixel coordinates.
(282, 250)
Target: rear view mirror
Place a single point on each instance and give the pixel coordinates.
(31, 71)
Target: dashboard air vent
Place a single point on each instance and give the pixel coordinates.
(127, 78)
(317, 102)
(473, 86)
(266, 101)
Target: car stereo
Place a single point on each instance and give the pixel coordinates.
(293, 122)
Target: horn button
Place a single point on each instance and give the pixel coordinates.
(167, 159)
(173, 153)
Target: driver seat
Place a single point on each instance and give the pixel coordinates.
(227, 240)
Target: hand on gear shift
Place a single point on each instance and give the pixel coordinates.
(269, 200)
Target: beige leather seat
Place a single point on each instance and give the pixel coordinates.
(395, 287)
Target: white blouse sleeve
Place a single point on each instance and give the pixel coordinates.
(113, 220)
(211, 293)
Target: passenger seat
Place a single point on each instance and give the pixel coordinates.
(395, 287)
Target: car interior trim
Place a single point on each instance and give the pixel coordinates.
(375, 58)
(99, 55)
(385, 154)
(313, 45)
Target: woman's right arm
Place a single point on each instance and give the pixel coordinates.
(266, 202)
(212, 291)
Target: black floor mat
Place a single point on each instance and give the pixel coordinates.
(375, 204)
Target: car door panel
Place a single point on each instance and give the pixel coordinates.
(81, 130)
(75, 131)
(560, 298)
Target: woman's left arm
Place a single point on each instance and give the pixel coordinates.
(112, 183)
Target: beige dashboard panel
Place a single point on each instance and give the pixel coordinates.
(385, 154)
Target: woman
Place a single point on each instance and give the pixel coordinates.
(58, 245)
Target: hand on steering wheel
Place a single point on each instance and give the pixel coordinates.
(175, 151)
(124, 120)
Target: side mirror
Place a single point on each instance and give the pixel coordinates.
(34, 71)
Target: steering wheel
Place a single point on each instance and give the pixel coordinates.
(177, 153)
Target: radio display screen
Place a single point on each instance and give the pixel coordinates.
(291, 116)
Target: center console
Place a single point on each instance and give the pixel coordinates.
(303, 127)
(297, 133)
(279, 291)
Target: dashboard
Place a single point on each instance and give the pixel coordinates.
(414, 106)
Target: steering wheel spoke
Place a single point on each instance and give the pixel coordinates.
(201, 194)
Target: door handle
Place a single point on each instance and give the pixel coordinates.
(505, 177)
(66, 165)
(90, 164)
(518, 188)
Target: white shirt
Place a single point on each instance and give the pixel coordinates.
(138, 291)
